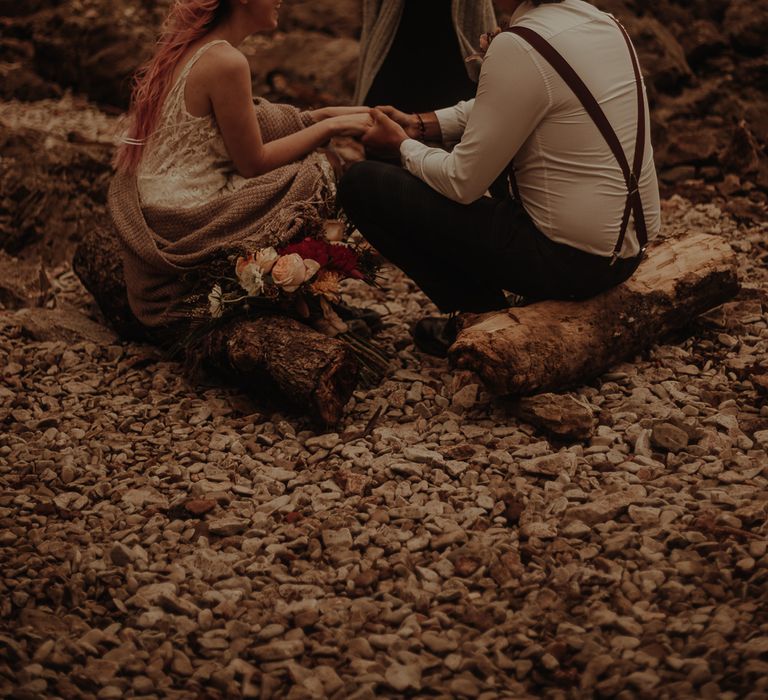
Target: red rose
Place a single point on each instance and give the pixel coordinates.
(330, 256)
(344, 260)
(310, 249)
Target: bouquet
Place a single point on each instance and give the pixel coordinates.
(304, 279)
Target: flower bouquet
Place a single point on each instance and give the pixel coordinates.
(302, 279)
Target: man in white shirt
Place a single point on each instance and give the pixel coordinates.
(586, 195)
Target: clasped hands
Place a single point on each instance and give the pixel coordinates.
(382, 130)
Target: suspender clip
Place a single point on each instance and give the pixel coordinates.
(634, 185)
(614, 258)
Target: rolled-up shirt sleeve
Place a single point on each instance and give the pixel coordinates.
(512, 98)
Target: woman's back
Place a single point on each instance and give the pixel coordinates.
(185, 162)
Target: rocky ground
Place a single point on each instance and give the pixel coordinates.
(164, 538)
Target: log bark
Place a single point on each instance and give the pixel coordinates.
(551, 345)
(313, 371)
(272, 356)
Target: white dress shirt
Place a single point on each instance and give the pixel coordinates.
(570, 182)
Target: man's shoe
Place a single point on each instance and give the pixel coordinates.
(356, 315)
(435, 334)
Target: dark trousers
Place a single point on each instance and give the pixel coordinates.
(464, 256)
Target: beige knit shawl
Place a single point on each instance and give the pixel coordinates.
(161, 246)
(381, 18)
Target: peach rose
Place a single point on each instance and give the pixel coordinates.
(312, 267)
(289, 272)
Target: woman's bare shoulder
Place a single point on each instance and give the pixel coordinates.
(224, 59)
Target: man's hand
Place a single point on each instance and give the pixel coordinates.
(409, 122)
(384, 138)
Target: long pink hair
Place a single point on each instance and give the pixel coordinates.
(187, 21)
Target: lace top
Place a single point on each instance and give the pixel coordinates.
(185, 162)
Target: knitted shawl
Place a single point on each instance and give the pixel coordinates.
(381, 18)
(161, 247)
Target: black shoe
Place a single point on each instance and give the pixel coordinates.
(435, 334)
(353, 315)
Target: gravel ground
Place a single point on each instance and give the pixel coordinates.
(161, 539)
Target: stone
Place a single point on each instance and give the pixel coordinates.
(100, 671)
(669, 437)
(542, 530)
(199, 506)
(279, 650)
(550, 465)
(64, 324)
(421, 455)
(562, 415)
(143, 497)
(644, 516)
(465, 398)
(401, 677)
(607, 507)
(337, 538)
(229, 526)
(121, 555)
(438, 643)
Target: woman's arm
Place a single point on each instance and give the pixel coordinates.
(329, 112)
(230, 93)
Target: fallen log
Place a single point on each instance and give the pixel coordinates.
(555, 344)
(272, 356)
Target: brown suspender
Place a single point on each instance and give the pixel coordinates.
(634, 203)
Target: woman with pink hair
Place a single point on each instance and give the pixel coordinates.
(204, 170)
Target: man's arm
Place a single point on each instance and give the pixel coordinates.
(512, 98)
(453, 121)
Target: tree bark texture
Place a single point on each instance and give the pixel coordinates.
(554, 344)
(265, 354)
(315, 372)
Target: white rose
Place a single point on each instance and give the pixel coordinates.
(289, 272)
(334, 230)
(266, 259)
(249, 275)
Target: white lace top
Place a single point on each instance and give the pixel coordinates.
(185, 162)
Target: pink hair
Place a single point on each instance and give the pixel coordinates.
(187, 21)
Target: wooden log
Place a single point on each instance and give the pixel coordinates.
(266, 355)
(313, 371)
(555, 344)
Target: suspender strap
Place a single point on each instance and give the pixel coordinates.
(590, 104)
(634, 200)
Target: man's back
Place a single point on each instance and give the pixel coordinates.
(569, 180)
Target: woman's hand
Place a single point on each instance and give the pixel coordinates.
(409, 122)
(329, 112)
(487, 38)
(354, 124)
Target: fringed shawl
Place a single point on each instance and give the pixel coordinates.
(161, 247)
